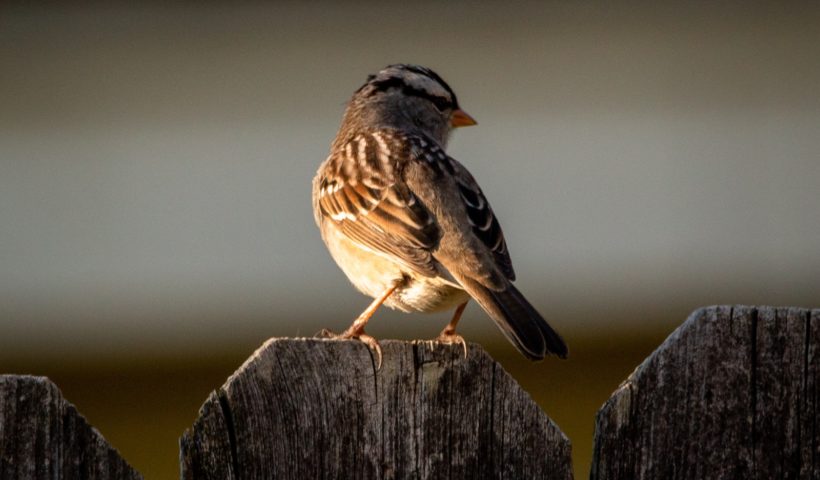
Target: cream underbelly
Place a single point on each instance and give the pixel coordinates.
(372, 274)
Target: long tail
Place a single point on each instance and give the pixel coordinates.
(523, 326)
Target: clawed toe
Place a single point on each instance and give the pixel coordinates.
(359, 335)
(325, 333)
(452, 338)
(374, 347)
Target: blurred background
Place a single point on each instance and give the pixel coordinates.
(645, 159)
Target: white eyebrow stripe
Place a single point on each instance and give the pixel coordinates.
(427, 84)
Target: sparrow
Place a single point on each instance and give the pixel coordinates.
(408, 224)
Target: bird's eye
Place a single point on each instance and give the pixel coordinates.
(440, 103)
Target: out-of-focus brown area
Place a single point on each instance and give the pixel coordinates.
(142, 407)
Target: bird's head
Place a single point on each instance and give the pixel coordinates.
(408, 97)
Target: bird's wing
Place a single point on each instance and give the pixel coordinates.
(481, 263)
(361, 192)
(484, 224)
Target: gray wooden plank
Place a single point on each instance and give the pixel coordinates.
(318, 408)
(732, 393)
(42, 436)
(810, 421)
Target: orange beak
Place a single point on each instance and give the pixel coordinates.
(461, 119)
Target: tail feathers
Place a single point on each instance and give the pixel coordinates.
(523, 326)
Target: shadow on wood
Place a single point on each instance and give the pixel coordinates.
(732, 393)
(43, 437)
(313, 408)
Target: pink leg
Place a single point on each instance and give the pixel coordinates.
(356, 329)
(449, 335)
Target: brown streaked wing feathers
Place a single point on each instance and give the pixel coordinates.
(388, 220)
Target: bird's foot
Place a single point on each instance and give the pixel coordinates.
(450, 338)
(325, 333)
(358, 334)
(374, 347)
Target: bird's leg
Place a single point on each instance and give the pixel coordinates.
(356, 329)
(449, 335)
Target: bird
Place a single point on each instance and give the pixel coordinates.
(408, 224)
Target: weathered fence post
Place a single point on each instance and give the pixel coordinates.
(43, 437)
(733, 393)
(313, 408)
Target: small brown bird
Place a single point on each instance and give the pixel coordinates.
(407, 223)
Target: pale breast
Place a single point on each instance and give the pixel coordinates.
(429, 295)
(372, 273)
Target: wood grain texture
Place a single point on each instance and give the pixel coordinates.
(315, 408)
(732, 393)
(43, 437)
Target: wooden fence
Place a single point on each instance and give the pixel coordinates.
(733, 393)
